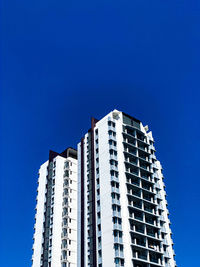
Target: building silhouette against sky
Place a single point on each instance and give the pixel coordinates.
(55, 237)
(108, 207)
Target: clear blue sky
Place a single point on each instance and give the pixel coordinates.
(65, 61)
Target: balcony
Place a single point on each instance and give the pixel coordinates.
(98, 208)
(160, 206)
(163, 229)
(153, 234)
(136, 217)
(130, 144)
(148, 197)
(166, 254)
(99, 260)
(99, 245)
(116, 213)
(139, 255)
(133, 163)
(112, 156)
(137, 229)
(150, 210)
(119, 253)
(134, 192)
(114, 178)
(132, 181)
(114, 190)
(147, 186)
(154, 165)
(165, 242)
(129, 140)
(113, 168)
(112, 147)
(115, 201)
(112, 137)
(154, 246)
(117, 226)
(98, 220)
(155, 259)
(130, 151)
(156, 175)
(130, 171)
(152, 147)
(144, 166)
(111, 128)
(159, 196)
(118, 240)
(157, 185)
(143, 148)
(162, 218)
(151, 220)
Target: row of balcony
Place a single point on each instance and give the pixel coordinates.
(144, 230)
(134, 143)
(149, 257)
(135, 172)
(147, 198)
(147, 244)
(144, 219)
(138, 138)
(141, 207)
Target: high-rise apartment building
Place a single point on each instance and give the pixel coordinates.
(122, 206)
(109, 207)
(55, 237)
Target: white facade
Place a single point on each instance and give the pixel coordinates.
(123, 216)
(55, 238)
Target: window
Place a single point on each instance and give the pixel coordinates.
(112, 142)
(66, 173)
(51, 210)
(113, 162)
(99, 253)
(99, 227)
(66, 164)
(114, 173)
(113, 152)
(111, 123)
